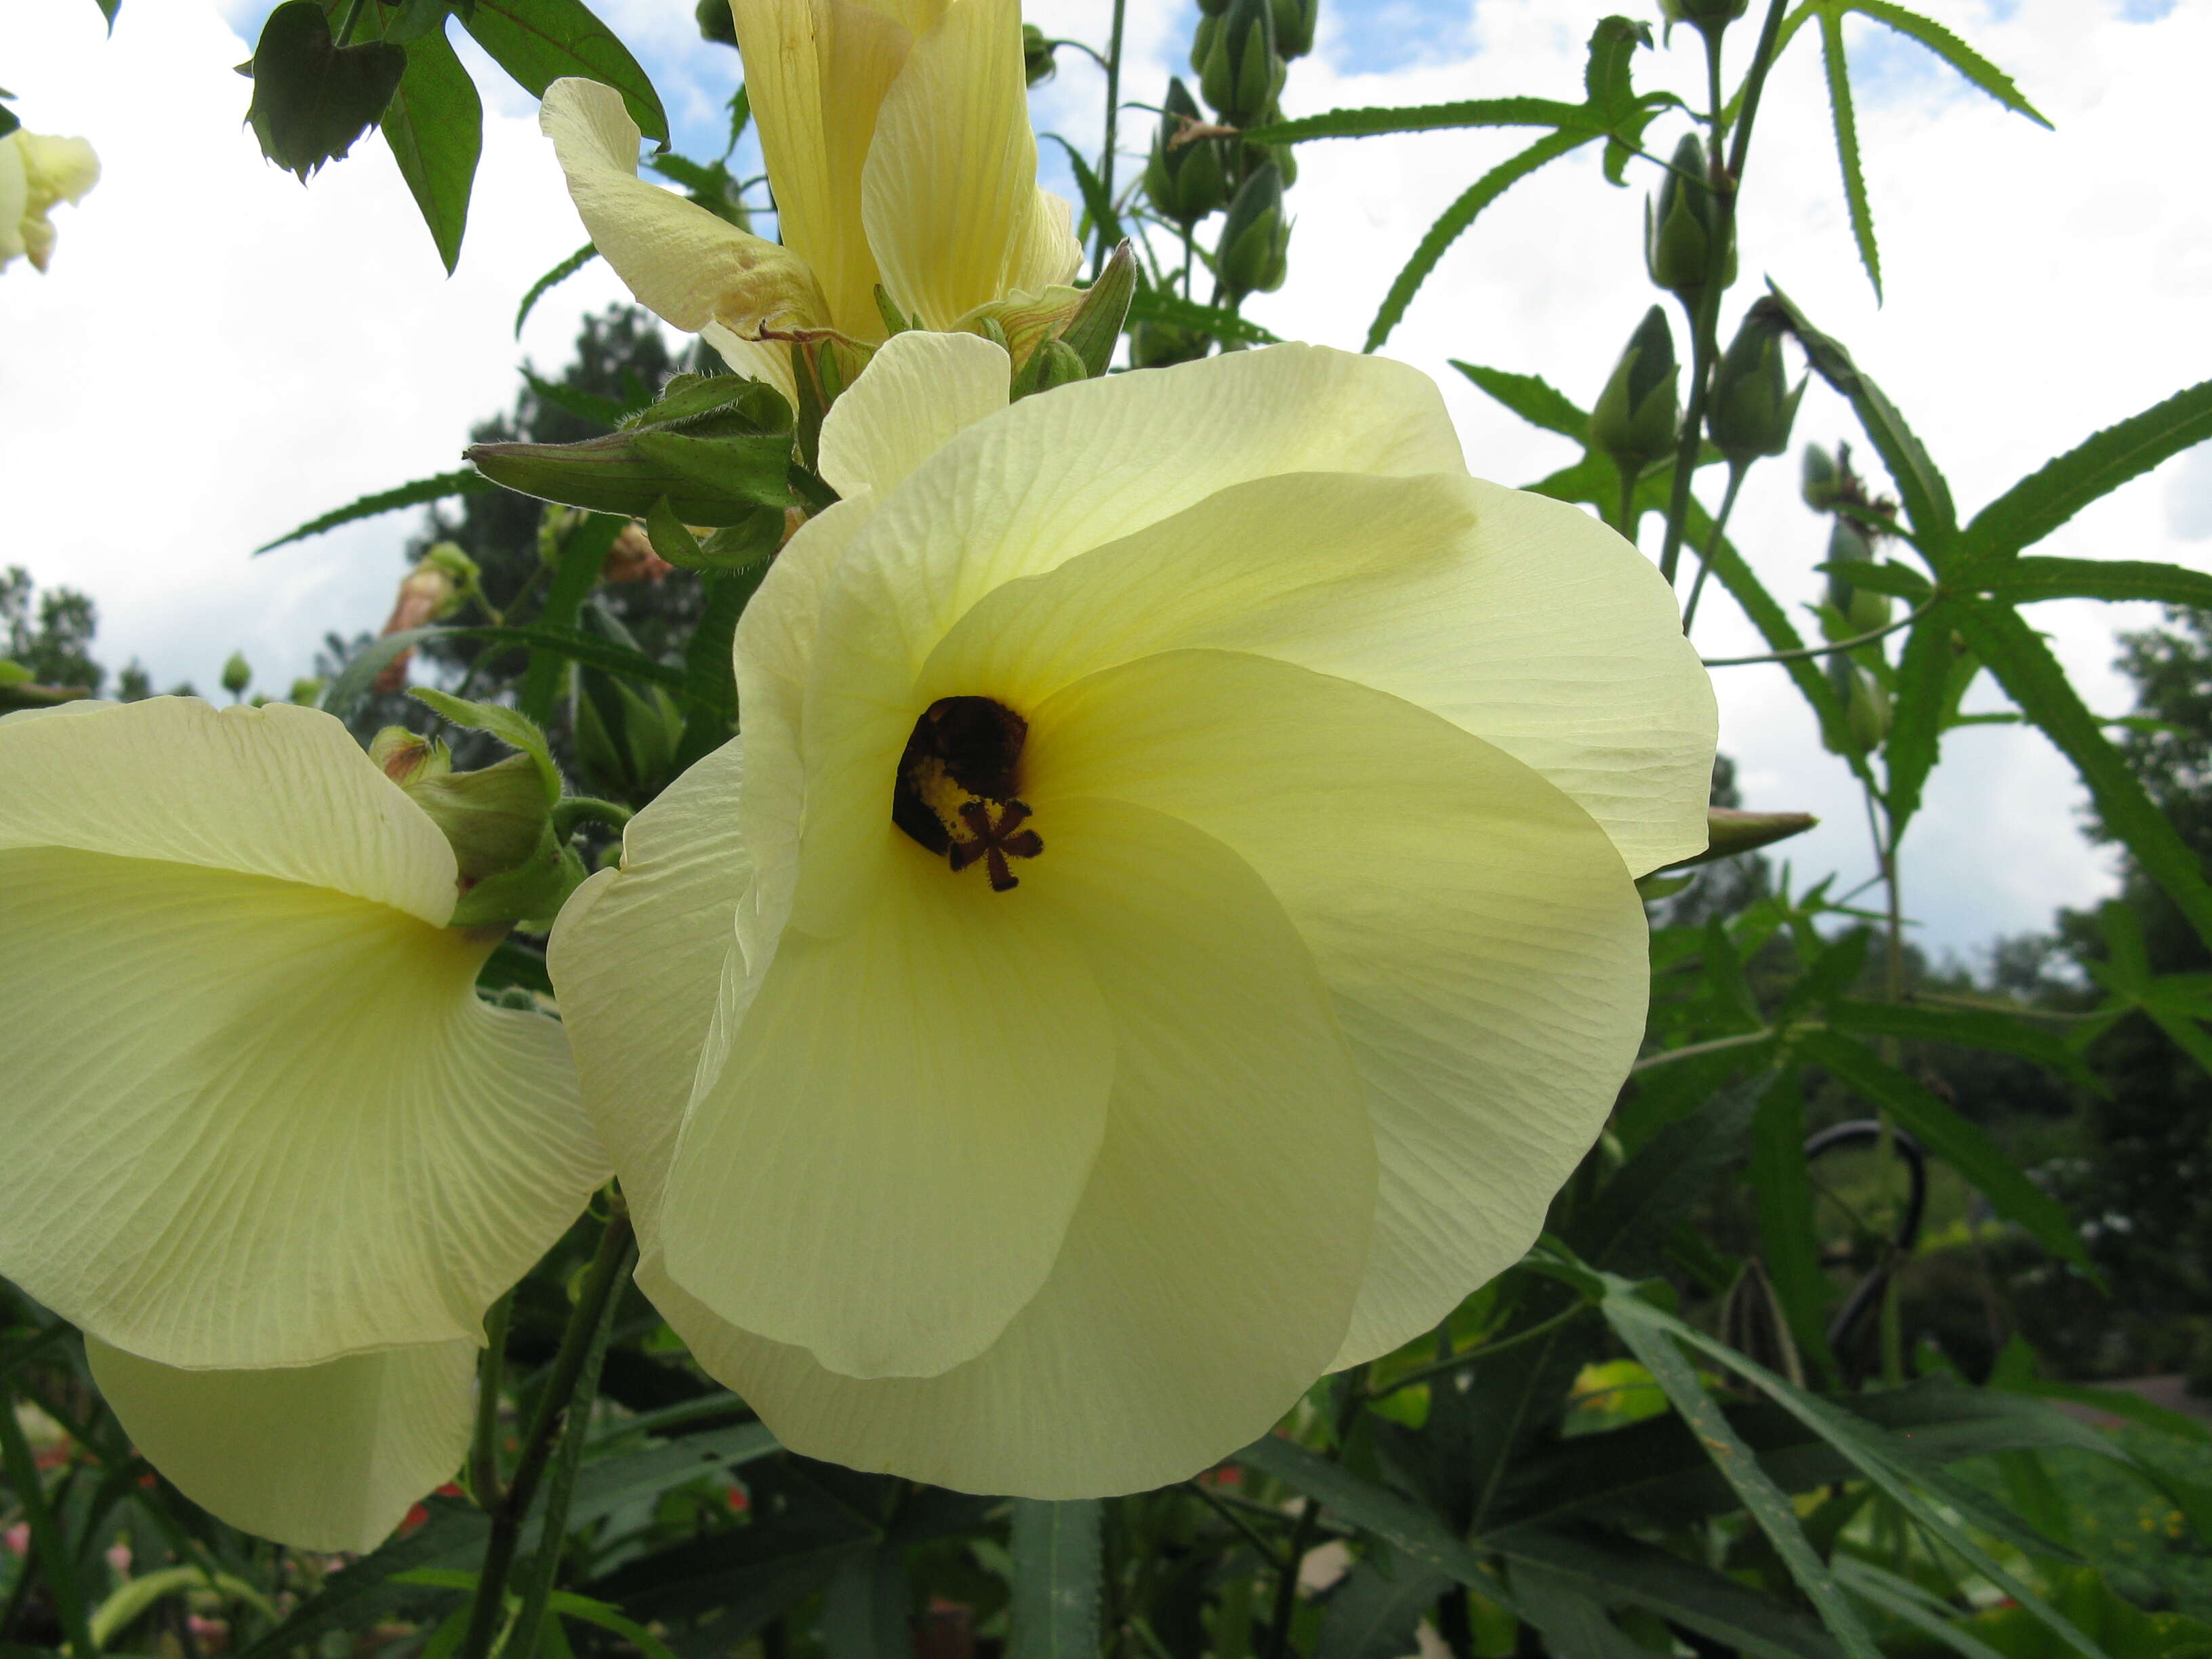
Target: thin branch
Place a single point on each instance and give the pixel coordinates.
(1823, 650)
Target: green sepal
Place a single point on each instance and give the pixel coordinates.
(531, 892)
(512, 727)
(492, 818)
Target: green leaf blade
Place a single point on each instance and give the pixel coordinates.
(1836, 64)
(1953, 51)
(417, 494)
(540, 41)
(1058, 1572)
(559, 273)
(434, 125)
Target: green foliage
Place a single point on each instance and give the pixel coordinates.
(312, 95)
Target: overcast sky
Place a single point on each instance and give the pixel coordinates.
(219, 354)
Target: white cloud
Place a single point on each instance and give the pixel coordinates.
(274, 351)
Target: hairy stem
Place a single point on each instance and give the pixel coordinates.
(491, 1378)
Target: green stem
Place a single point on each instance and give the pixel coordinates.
(1309, 1522)
(1458, 1362)
(544, 1569)
(1737, 471)
(491, 1379)
(1704, 318)
(602, 1280)
(1630, 520)
(1113, 115)
(46, 1540)
(1266, 1551)
(1717, 1045)
(345, 29)
(1802, 652)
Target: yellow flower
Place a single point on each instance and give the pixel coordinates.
(35, 173)
(266, 1145)
(899, 150)
(1166, 929)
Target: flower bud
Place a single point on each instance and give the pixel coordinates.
(1241, 73)
(1753, 404)
(237, 674)
(1255, 239)
(1037, 65)
(1866, 705)
(1681, 228)
(1822, 485)
(1636, 419)
(1202, 38)
(492, 817)
(1185, 179)
(1708, 17)
(1155, 345)
(1855, 610)
(308, 693)
(1055, 364)
(716, 21)
(1284, 157)
(1294, 27)
(408, 757)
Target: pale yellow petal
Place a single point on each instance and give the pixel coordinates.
(915, 393)
(319, 1457)
(1520, 619)
(685, 265)
(14, 197)
(950, 194)
(816, 71)
(282, 791)
(883, 1168)
(1020, 492)
(1049, 253)
(253, 1117)
(1483, 946)
(1206, 1277)
(56, 169)
(636, 956)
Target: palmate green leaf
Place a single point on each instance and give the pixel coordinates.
(1920, 707)
(417, 494)
(584, 405)
(2034, 679)
(1969, 1028)
(453, 1536)
(540, 41)
(1454, 221)
(1059, 1567)
(1953, 51)
(1375, 1612)
(1621, 1571)
(1888, 1461)
(1534, 399)
(1927, 497)
(559, 273)
(582, 557)
(2048, 497)
(1906, 1601)
(1433, 117)
(1149, 305)
(1789, 1247)
(1837, 68)
(1768, 1505)
(434, 125)
(1571, 1614)
(2023, 582)
(1951, 1138)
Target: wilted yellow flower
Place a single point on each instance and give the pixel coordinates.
(35, 173)
(898, 139)
(266, 1145)
(1167, 928)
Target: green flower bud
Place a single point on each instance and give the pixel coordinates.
(715, 23)
(1283, 157)
(1855, 610)
(1241, 73)
(408, 757)
(1681, 229)
(1866, 705)
(1255, 252)
(1821, 483)
(1202, 38)
(1186, 181)
(1038, 62)
(1708, 17)
(1294, 27)
(237, 674)
(1752, 404)
(1155, 345)
(1637, 418)
(308, 693)
(1211, 9)
(495, 818)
